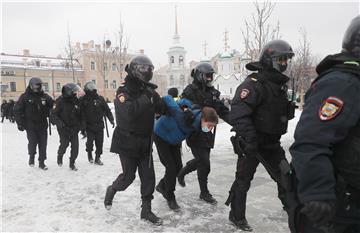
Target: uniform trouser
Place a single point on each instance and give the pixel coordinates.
(201, 163)
(65, 139)
(146, 173)
(246, 168)
(37, 138)
(170, 157)
(98, 137)
(306, 226)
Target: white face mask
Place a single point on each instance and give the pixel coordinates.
(205, 129)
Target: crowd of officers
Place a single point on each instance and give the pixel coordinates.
(319, 189)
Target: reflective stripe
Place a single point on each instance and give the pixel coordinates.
(351, 63)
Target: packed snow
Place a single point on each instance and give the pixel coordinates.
(63, 200)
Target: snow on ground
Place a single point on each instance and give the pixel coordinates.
(63, 200)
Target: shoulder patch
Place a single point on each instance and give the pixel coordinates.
(244, 93)
(330, 108)
(121, 97)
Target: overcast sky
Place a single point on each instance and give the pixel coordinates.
(41, 27)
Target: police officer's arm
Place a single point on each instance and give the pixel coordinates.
(107, 110)
(244, 102)
(55, 114)
(132, 106)
(159, 104)
(19, 110)
(221, 109)
(49, 103)
(331, 109)
(83, 114)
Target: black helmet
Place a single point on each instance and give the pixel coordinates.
(203, 73)
(275, 55)
(351, 41)
(70, 90)
(140, 67)
(35, 84)
(90, 87)
(174, 92)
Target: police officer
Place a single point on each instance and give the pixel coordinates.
(259, 115)
(4, 110)
(31, 113)
(202, 93)
(94, 108)
(136, 103)
(325, 153)
(67, 117)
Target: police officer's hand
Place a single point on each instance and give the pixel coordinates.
(21, 128)
(319, 212)
(188, 117)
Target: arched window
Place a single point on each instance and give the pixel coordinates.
(181, 60)
(172, 60)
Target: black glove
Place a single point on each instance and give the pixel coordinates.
(21, 128)
(189, 117)
(319, 212)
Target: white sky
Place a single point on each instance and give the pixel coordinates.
(41, 27)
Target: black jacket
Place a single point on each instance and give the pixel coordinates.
(260, 105)
(94, 108)
(204, 96)
(67, 115)
(327, 123)
(135, 108)
(32, 109)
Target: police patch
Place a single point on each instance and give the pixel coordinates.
(244, 93)
(330, 108)
(121, 97)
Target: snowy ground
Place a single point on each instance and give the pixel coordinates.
(62, 200)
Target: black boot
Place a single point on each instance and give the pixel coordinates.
(160, 188)
(42, 165)
(98, 161)
(208, 198)
(181, 176)
(72, 166)
(148, 215)
(90, 158)
(173, 205)
(60, 160)
(109, 196)
(241, 224)
(31, 160)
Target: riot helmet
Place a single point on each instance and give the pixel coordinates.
(351, 41)
(90, 87)
(140, 67)
(71, 90)
(35, 84)
(203, 73)
(275, 54)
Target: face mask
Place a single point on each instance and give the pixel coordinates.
(205, 129)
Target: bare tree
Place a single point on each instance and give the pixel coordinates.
(302, 67)
(103, 57)
(69, 50)
(258, 31)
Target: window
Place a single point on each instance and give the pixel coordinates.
(171, 80)
(230, 90)
(172, 60)
(46, 87)
(94, 81)
(181, 59)
(114, 84)
(58, 87)
(67, 65)
(182, 80)
(106, 84)
(37, 63)
(12, 86)
(92, 65)
(105, 66)
(114, 68)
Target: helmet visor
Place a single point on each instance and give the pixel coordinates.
(144, 68)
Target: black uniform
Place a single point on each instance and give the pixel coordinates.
(94, 108)
(67, 117)
(4, 111)
(10, 111)
(31, 113)
(259, 114)
(135, 108)
(326, 153)
(200, 142)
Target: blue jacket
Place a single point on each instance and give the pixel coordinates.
(172, 127)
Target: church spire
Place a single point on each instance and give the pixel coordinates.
(226, 40)
(176, 36)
